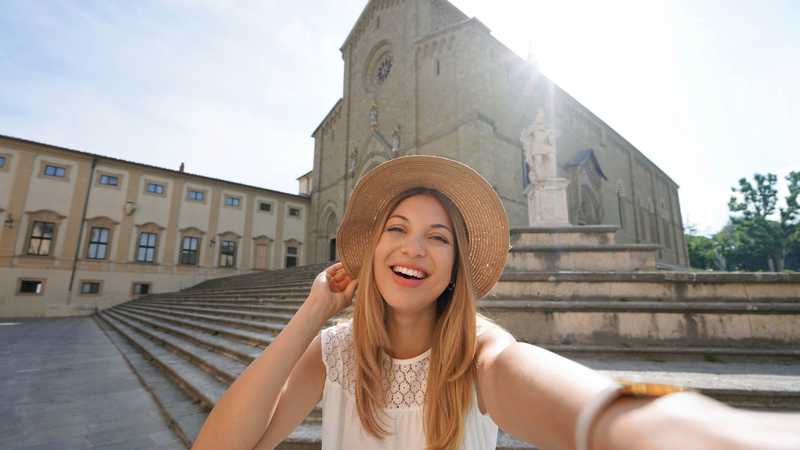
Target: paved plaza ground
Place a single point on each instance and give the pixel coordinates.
(64, 386)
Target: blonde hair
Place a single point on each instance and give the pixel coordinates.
(451, 371)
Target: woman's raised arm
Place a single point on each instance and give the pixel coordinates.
(531, 393)
(537, 396)
(243, 414)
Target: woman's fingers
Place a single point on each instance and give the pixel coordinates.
(350, 289)
(338, 278)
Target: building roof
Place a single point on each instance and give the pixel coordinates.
(148, 166)
(325, 119)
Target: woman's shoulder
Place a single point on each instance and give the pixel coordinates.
(337, 337)
(491, 339)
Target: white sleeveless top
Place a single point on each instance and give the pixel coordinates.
(405, 396)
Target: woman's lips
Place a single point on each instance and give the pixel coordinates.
(405, 282)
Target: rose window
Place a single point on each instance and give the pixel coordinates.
(384, 69)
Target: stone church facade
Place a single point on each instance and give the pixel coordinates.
(420, 77)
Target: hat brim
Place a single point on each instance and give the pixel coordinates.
(483, 212)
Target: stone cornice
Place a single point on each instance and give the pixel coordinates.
(333, 113)
(654, 277)
(451, 29)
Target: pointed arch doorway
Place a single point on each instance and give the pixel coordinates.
(330, 232)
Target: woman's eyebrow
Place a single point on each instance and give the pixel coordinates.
(439, 225)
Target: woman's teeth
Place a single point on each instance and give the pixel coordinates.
(408, 273)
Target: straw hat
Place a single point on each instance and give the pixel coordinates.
(481, 208)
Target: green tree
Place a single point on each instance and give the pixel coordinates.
(702, 251)
(735, 252)
(752, 207)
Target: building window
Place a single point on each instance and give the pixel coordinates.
(438, 68)
(3, 161)
(35, 287)
(147, 247)
(41, 238)
(189, 249)
(98, 243)
(233, 201)
(90, 287)
(291, 257)
(265, 207)
(227, 254)
(155, 188)
(384, 68)
(294, 212)
(197, 196)
(55, 171)
(109, 180)
(141, 288)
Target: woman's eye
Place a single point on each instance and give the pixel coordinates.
(441, 238)
(394, 229)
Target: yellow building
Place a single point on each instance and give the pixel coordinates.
(80, 231)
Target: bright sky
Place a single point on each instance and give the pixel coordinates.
(708, 90)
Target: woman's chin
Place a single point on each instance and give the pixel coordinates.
(407, 306)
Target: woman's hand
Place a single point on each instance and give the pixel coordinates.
(332, 291)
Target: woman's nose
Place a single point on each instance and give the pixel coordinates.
(414, 246)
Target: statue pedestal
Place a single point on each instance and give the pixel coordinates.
(547, 202)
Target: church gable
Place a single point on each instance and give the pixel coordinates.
(444, 14)
(370, 16)
(432, 16)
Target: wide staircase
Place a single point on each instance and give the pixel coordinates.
(732, 336)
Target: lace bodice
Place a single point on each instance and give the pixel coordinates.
(404, 385)
(406, 380)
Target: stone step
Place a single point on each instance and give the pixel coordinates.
(245, 353)
(265, 306)
(181, 296)
(648, 325)
(663, 354)
(565, 235)
(237, 282)
(243, 288)
(215, 364)
(606, 258)
(229, 312)
(300, 293)
(661, 285)
(720, 306)
(198, 383)
(183, 414)
(251, 325)
(771, 386)
(294, 301)
(247, 337)
(261, 279)
(197, 387)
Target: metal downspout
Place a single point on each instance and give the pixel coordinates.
(80, 232)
